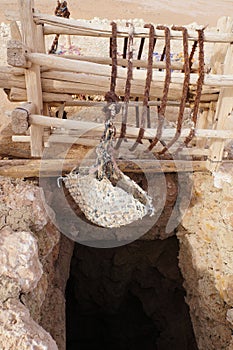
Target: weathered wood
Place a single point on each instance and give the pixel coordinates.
(16, 54)
(136, 63)
(87, 103)
(19, 95)
(20, 116)
(79, 27)
(63, 64)
(32, 75)
(225, 102)
(96, 128)
(51, 167)
(15, 32)
(21, 138)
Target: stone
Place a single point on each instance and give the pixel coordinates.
(19, 331)
(206, 260)
(19, 259)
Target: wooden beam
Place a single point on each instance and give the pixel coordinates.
(136, 63)
(224, 106)
(52, 167)
(58, 25)
(16, 51)
(15, 32)
(63, 64)
(20, 117)
(97, 128)
(32, 74)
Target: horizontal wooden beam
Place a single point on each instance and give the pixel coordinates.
(25, 168)
(58, 25)
(136, 63)
(97, 128)
(63, 64)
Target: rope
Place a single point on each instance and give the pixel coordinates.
(161, 110)
(147, 85)
(200, 82)
(185, 88)
(127, 85)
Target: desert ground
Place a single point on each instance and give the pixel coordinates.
(155, 11)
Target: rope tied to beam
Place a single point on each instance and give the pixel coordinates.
(127, 85)
(162, 108)
(185, 88)
(200, 81)
(147, 85)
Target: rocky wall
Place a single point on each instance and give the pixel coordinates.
(206, 259)
(33, 271)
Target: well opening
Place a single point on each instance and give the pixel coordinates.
(129, 297)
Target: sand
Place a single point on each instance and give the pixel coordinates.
(154, 11)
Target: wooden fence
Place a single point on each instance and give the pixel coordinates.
(42, 80)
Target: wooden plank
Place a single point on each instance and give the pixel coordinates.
(225, 101)
(32, 75)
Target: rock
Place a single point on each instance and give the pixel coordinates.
(19, 259)
(19, 331)
(206, 261)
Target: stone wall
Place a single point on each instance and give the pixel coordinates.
(206, 259)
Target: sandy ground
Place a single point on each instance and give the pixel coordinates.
(155, 11)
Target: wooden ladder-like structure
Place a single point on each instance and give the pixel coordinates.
(42, 80)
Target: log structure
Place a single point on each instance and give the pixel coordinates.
(40, 80)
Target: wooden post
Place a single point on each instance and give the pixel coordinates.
(32, 74)
(225, 100)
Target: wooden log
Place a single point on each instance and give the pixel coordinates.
(19, 95)
(97, 128)
(15, 32)
(32, 75)
(79, 27)
(60, 63)
(225, 102)
(12, 70)
(21, 138)
(136, 63)
(51, 167)
(87, 103)
(94, 141)
(19, 117)
(16, 54)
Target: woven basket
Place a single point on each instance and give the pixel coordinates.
(107, 205)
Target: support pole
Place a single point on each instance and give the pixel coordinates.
(32, 74)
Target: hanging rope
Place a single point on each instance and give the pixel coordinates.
(127, 86)
(147, 85)
(105, 159)
(192, 53)
(185, 88)
(200, 82)
(161, 110)
(60, 11)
